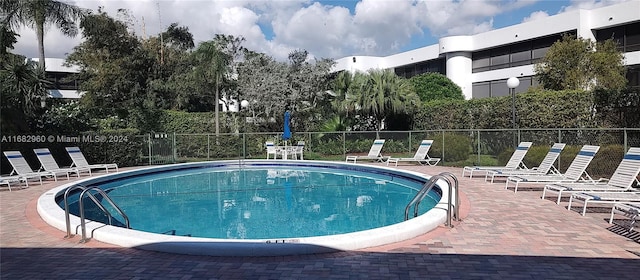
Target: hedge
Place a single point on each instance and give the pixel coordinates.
(571, 109)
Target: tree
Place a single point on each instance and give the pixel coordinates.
(275, 86)
(580, 64)
(435, 86)
(170, 84)
(260, 81)
(232, 47)
(210, 69)
(381, 93)
(7, 39)
(37, 14)
(22, 90)
(114, 69)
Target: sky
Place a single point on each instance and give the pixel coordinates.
(326, 29)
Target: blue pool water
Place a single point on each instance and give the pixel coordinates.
(259, 202)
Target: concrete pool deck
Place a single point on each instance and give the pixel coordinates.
(503, 235)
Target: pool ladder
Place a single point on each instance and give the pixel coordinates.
(452, 181)
(87, 191)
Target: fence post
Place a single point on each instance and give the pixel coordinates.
(244, 145)
(624, 132)
(443, 146)
(150, 151)
(344, 143)
(174, 148)
(208, 146)
(478, 148)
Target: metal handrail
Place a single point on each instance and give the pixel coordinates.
(86, 191)
(452, 209)
(449, 203)
(418, 197)
(105, 196)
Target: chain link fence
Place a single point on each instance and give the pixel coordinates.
(454, 147)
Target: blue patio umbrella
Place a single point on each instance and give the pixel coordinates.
(286, 135)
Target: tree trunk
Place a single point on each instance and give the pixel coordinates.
(40, 35)
(217, 101)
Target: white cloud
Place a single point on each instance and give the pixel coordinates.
(589, 4)
(324, 28)
(535, 16)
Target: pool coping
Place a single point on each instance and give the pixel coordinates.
(52, 214)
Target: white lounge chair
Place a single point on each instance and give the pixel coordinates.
(22, 169)
(421, 155)
(621, 180)
(8, 180)
(575, 173)
(48, 163)
(603, 198)
(544, 168)
(81, 162)
(629, 210)
(514, 163)
(375, 153)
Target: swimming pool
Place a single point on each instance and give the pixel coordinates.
(288, 184)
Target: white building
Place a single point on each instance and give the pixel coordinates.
(481, 64)
(63, 84)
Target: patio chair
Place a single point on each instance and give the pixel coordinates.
(629, 210)
(544, 168)
(22, 169)
(603, 198)
(421, 155)
(374, 153)
(272, 150)
(575, 173)
(621, 180)
(48, 163)
(514, 162)
(298, 150)
(80, 161)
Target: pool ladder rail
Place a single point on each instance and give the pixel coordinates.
(452, 209)
(87, 191)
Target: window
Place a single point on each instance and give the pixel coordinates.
(633, 76)
(632, 38)
(538, 54)
(481, 90)
(499, 88)
(626, 36)
(431, 66)
(522, 53)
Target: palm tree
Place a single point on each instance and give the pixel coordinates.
(212, 65)
(341, 93)
(381, 93)
(37, 14)
(22, 87)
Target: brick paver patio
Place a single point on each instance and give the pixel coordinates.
(503, 235)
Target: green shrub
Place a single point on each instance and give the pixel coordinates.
(566, 157)
(535, 155)
(123, 146)
(533, 158)
(606, 161)
(458, 147)
(543, 109)
(505, 155)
